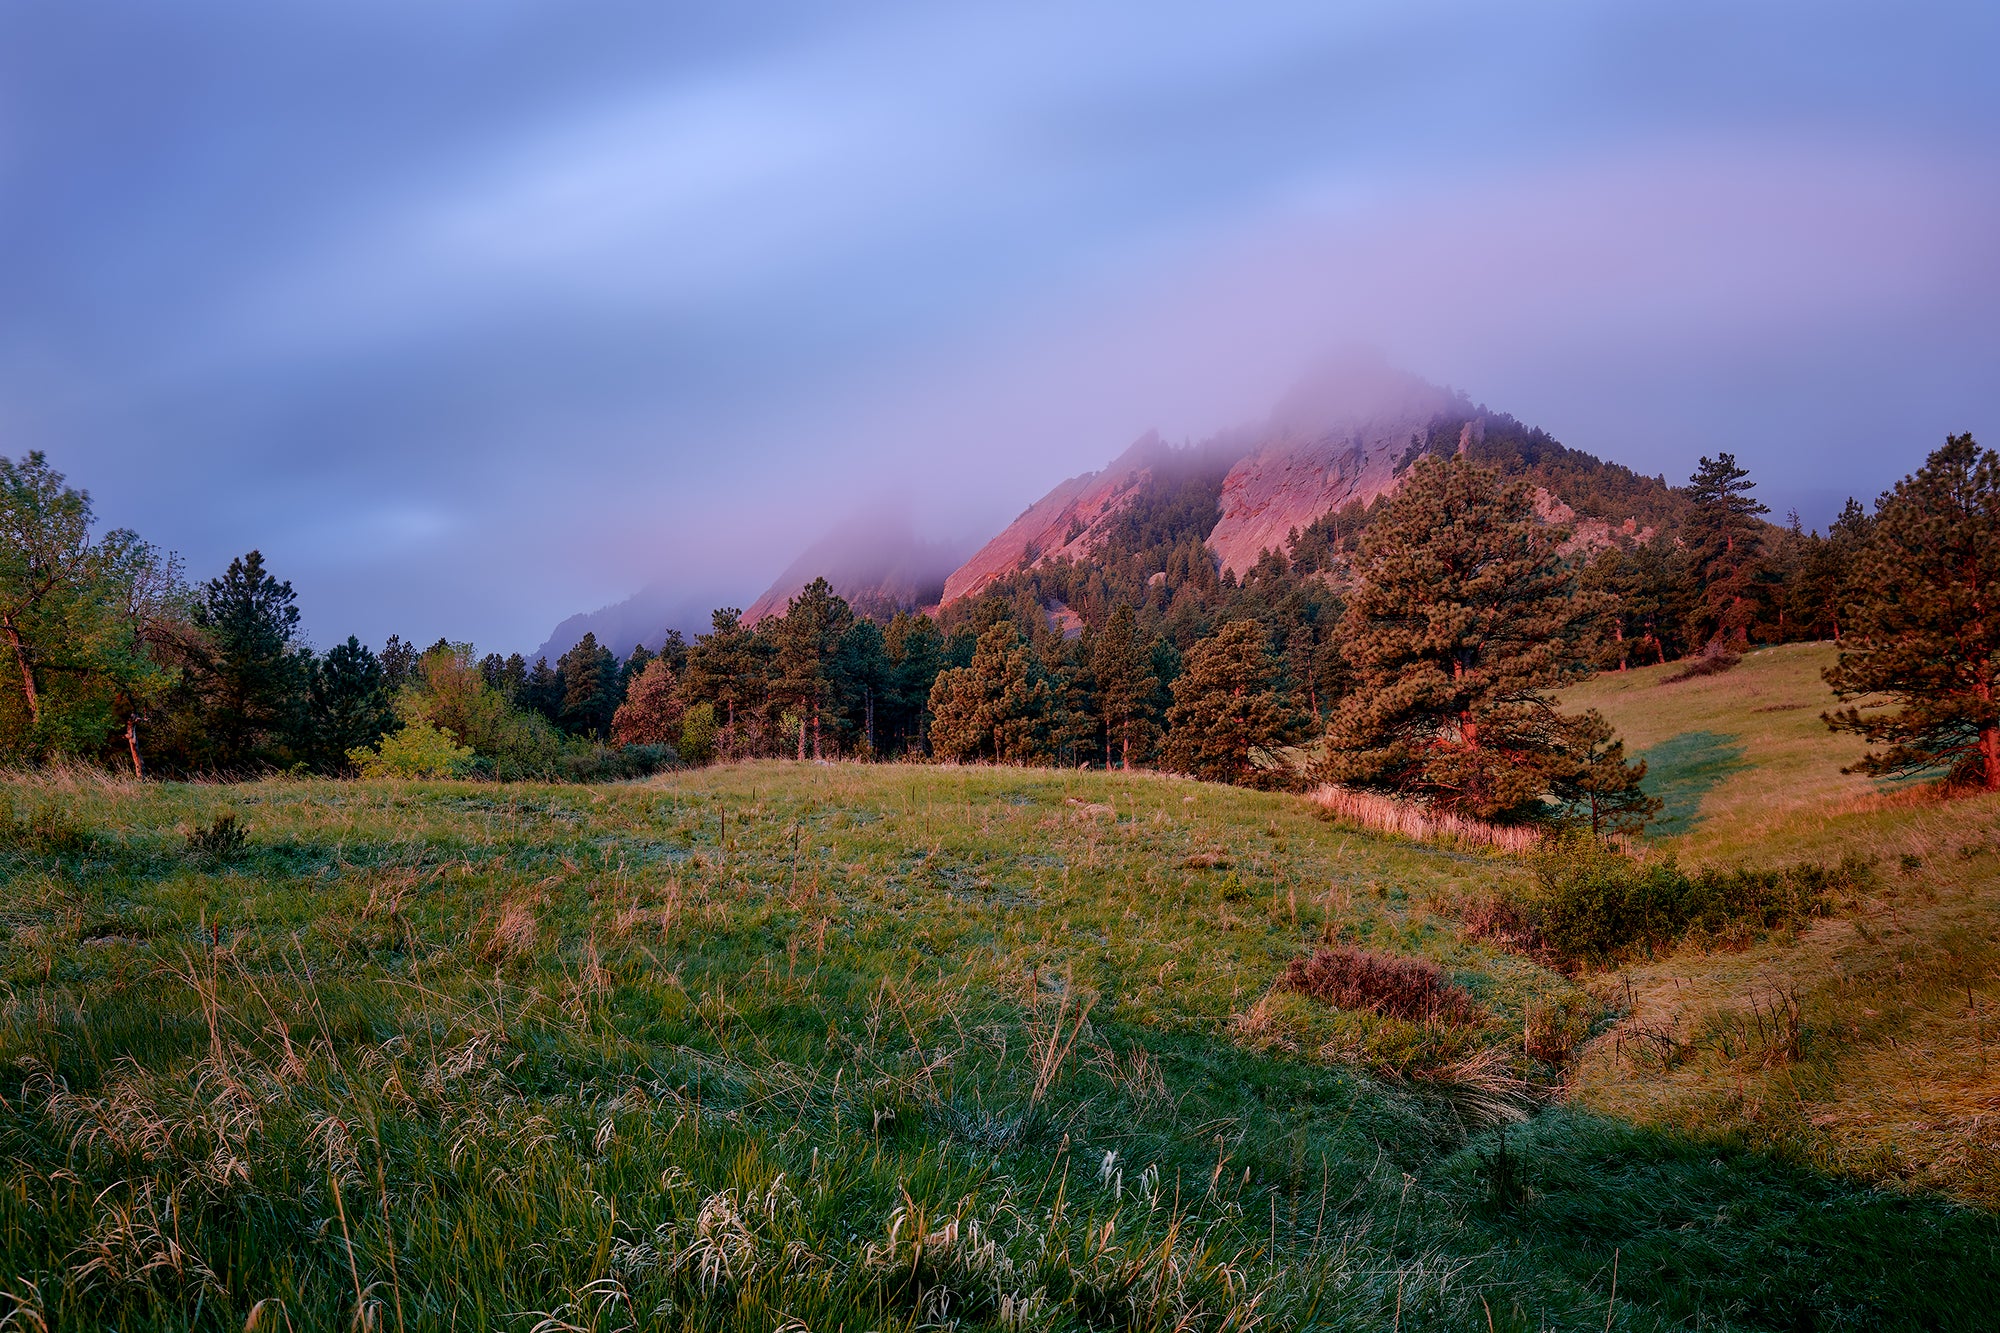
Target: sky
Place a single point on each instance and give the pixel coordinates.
(474, 314)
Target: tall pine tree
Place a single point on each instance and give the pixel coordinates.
(1467, 618)
(1723, 542)
(254, 681)
(1924, 623)
(1229, 718)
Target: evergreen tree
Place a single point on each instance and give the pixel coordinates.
(725, 667)
(1466, 619)
(1228, 713)
(995, 707)
(1127, 688)
(861, 678)
(592, 689)
(350, 703)
(255, 676)
(916, 655)
(808, 642)
(543, 691)
(1723, 541)
(399, 663)
(637, 661)
(1924, 623)
(674, 650)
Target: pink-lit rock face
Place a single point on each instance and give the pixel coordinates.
(1062, 523)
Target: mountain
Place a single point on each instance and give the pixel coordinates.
(875, 560)
(645, 617)
(1343, 437)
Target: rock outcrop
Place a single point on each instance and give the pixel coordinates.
(1062, 523)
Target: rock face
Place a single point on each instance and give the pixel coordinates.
(1063, 522)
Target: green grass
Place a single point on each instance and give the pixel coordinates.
(788, 1046)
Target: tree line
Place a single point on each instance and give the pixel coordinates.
(1417, 646)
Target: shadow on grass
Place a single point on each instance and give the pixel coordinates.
(1712, 1236)
(1682, 769)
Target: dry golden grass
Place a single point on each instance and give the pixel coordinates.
(1867, 1043)
(1385, 814)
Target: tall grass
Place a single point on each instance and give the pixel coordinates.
(1408, 819)
(901, 1049)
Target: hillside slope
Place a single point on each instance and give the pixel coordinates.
(828, 1047)
(1889, 1062)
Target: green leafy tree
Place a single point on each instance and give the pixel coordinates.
(414, 750)
(44, 535)
(698, 733)
(254, 678)
(1229, 718)
(1724, 546)
(1465, 622)
(350, 703)
(450, 693)
(1923, 629)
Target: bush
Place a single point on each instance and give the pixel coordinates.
(603, 763)
(219, 841)
(698, 733)
(1595, 905)
(417, 750)
(1408, 988)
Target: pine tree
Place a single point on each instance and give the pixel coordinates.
(255, 678)
(916, 655)
(1228, 714)
(542, 691)
(399, 663)
(1127, 687)
(808, 641)
(1924, 623)
(725, 667)
(1723, 542)
(1466, 620)
(592, 689)
(350, 703)
(995, 707)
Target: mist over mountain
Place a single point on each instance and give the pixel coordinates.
(1341, 439)
(875, 560)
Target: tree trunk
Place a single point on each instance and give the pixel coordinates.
(802, 731)
(27, 672)
(132, 744)
(1624, 652)
(1125, 753)
(816, 750)
(1989, 751)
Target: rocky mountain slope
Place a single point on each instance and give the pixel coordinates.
(875, 560)
(1344, 437)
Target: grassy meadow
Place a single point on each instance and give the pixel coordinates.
(801, 1047)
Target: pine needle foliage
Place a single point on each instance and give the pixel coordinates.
(1466, 620)
(1922, 655)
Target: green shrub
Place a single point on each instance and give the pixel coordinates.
(698, 732)
(591, 762)
(416, 750)
(1594, 904)
(219, 840)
